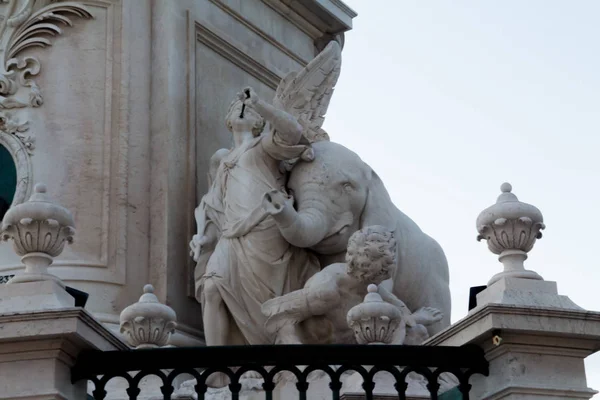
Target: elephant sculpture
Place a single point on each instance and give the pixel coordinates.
(337, 194)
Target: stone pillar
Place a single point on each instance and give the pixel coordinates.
(535, 339)
(38, 348)
(41, 331)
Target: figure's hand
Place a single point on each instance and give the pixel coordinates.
(275, 201)
(427, 315)
(250, 98)
(196, 246)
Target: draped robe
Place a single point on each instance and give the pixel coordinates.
(251, 262)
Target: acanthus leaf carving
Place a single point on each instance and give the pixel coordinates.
(24, 28)
(11, 126)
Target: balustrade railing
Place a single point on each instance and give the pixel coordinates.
(268, 361)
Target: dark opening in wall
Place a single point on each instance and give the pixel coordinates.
(8, 180)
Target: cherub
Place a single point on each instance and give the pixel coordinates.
(317, 313)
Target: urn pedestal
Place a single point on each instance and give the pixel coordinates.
(534, 339)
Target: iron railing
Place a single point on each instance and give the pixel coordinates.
(300, 360)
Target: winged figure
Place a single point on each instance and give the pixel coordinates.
(306, 94)
(242, 258)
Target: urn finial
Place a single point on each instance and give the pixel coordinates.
(39, 229)
(375, 321)
(511, 228)
(148, 323)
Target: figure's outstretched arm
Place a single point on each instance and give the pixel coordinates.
(295, 307)
(423, 316)
(287, 126)
(389, 297)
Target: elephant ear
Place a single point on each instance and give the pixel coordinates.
(306, 94)
(378, 208)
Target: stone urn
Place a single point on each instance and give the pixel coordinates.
(375, 321)
(148, 323)
(39, 229)
(510, 228)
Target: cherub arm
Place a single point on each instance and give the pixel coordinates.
(300, 305)
(389, 297)
(423, 316)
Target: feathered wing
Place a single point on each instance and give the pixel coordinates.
(298, 306)
(306, 94)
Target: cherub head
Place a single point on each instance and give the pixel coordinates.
(371, 254)
(237, 121)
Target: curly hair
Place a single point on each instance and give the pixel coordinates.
(256, 129)
(371, 254)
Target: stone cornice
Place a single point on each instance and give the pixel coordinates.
(315, 17)
(264, 35)
(215, 41)
(478, 315)
(85, 323)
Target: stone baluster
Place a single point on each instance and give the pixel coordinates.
(375, 321)
(148, 323)
(39, 229)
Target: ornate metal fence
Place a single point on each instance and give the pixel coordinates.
(300, 360)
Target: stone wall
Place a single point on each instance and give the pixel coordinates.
(134, 102)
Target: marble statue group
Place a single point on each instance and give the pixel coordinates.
(294, 228)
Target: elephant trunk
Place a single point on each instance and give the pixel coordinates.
(303, 228)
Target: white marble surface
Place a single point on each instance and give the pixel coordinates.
(37, 348)
(536, 342)
(125, 127)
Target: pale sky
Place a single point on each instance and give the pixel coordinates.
(448, 99)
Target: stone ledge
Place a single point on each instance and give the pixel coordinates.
(316, 17)
(546, 392)
(490, 317)
(75, 323)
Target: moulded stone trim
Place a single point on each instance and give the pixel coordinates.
(109, 265)
(216, 42)
(22, 159)
(23, 27)
(491, 313)
(345, 8)
(293, 17)
(263, 35)
(539, 348)
(64, 321)
(517, 390)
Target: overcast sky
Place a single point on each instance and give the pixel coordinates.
(448, 99)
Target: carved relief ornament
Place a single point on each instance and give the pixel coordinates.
(14, 136)
(25, 24)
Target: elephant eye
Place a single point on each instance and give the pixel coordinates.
(347, 186)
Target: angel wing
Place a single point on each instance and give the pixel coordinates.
(297, 306)
(306, 94)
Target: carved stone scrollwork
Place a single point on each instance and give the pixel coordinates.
(20, 144)
(22, 27)
(511, 228)
(516, 234)
(148, 323)
(39, 230)
(376, 322)
(11, 126)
